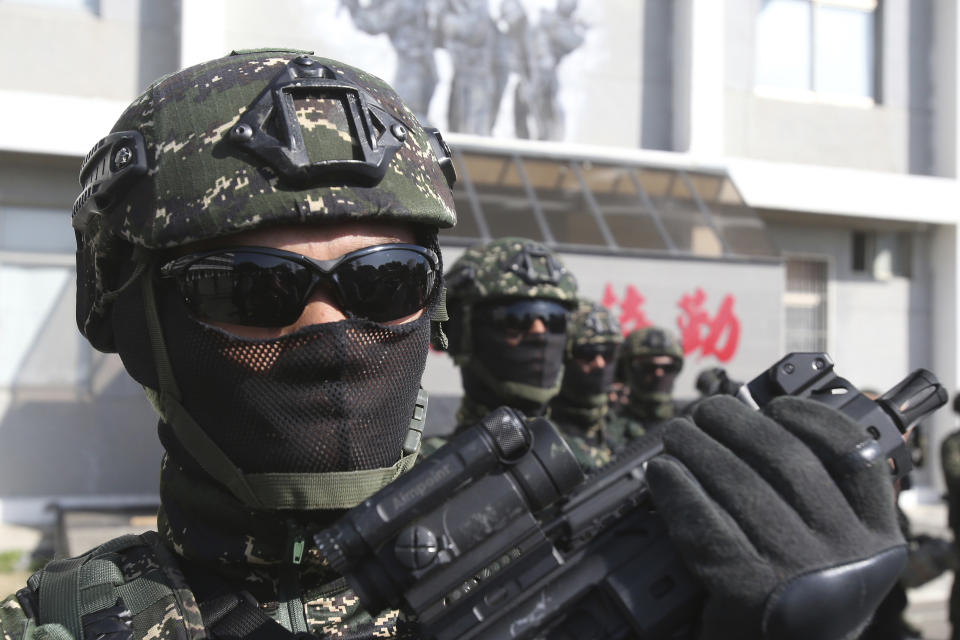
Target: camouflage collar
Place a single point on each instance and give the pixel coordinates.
(650, 407)
(584, 416)
(210, 529)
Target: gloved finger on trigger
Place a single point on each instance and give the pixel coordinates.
(783, 460)
(735, 487)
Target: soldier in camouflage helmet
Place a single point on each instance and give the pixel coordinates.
(509, 302)
(649, 362)
(582, 405)
(257, 239)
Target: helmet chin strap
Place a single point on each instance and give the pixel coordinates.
(266, 491)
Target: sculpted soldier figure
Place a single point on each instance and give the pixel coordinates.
(408, 23)
(257, 239)
(649, 362)
(470, 36)
(582, 405)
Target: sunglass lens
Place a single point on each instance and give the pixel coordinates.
(591, 351)
(520, 315)
(386, 285)
(245, 288)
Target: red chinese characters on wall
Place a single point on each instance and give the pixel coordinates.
(716, 335)
(631, 316)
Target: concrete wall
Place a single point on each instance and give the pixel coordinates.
(844, 135)
(74, 428)
(113, 52)
(881, 329)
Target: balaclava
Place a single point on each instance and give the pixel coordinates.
(584, 396)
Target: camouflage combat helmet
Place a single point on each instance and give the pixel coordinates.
(252, 139)
(592, 323)
(506, 268)
(652, 341)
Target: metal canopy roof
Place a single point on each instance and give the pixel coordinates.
(602, 205)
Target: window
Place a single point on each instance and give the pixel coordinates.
(882, 255)
(39, 343)
(805, 302)
(573, 204)
(817, 48)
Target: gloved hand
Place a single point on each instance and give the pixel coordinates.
(791, 531)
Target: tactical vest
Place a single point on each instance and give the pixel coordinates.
(131, 588)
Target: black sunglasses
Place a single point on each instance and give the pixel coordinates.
(265, 287)
(521, 314)
(588, 352)
(646, 367)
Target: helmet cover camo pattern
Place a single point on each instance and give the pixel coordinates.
(200, 183)
(652, 341)
(509, 268)
(592, 323)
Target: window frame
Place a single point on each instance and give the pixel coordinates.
(811, 95)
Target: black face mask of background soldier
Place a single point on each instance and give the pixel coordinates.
(596, 382)
(537, 360)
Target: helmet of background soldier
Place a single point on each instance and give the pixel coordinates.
(652, 341)
(646, 343)
(592, 323)
(253, 139)
(502, 269)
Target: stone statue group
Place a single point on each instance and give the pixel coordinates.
(485, 51)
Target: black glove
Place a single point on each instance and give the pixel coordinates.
(791, 530)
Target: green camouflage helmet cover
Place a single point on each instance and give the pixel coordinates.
(509, 268)
(592, 323)
(252, 139)
(652, 341)
(503, 269)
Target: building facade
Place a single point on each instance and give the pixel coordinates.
(761, 176)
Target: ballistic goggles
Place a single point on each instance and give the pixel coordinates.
(520, 315)
(265, 287)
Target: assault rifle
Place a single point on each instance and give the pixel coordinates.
(497, 535)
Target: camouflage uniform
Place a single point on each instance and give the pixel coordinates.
(195, 158)
(644, 408)
(950, 460)
(581, 413)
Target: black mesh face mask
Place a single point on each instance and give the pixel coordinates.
(328, 397)
(536, 361)
(579, 384)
